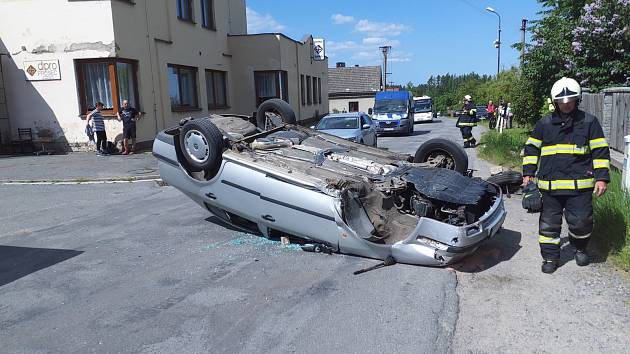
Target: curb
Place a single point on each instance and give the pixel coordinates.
(80, 180)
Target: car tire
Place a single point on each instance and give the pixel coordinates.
(506, 178)
(455, 154)
(201, 144)
(277, 106)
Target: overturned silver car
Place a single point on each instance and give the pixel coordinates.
(286, 179)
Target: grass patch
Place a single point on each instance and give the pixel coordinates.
(611, 213)
(504, 149)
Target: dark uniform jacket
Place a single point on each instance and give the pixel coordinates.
(468, 118)
(567, 157)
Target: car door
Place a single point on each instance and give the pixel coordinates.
(368, 134)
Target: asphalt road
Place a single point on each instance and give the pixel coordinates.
(136, 267)
(140, 268)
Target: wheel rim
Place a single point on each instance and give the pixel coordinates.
(442, 159)
(197, 146)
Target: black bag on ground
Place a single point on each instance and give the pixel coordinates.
(111, 148)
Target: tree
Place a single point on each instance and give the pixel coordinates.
(587, 40)
(601, 44)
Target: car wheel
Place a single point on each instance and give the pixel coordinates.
(506, 178)
(274, 113)
(443, 153)
(201, 143)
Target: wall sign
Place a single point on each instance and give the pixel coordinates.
(42, 70)
(319, 49)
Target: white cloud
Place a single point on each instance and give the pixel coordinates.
(257, 23)
(380, 41)
(366, 52)
(339, 19)
(380, 29)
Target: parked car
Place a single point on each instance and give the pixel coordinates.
(482, 112)
(354, 126)
(350, 198)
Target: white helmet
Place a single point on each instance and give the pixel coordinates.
(566, 90)
(468, 97)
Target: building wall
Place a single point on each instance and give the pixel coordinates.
(341, 104)
(41, 30)
(275, 52)
(151, 33)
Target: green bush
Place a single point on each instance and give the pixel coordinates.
(504, 149)
(611, 213)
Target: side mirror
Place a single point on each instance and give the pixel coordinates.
(370, 110)
(366, 126)
(312, 127)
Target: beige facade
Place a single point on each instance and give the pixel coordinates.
(276, 52)
(169, 61)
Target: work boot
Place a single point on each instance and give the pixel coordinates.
(581, 258)
(549, 266)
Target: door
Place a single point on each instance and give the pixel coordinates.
(368, 134)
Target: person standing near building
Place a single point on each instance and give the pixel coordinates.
(466, 121)
(128, 115)
(98, 126)
(568, 154)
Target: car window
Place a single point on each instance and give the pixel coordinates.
(364, 120)
(338, 123)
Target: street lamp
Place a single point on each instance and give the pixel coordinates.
(497, 43)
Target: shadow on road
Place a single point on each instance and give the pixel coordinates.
(420, 132)
(502, 247)
(18, 262)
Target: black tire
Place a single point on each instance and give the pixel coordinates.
(506, 178)
(277, 106)
(456, 156)
(201, 144)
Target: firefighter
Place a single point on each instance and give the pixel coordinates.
(568, 154)
(466, 121)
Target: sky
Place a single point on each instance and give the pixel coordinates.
(428, 37)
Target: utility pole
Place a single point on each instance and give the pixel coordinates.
(385, 50)
(523, 29)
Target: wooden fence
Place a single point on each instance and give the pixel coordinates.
(612, 108)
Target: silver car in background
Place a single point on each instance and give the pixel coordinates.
(355, 126)
(283, 179)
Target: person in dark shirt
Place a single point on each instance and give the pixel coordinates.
(128, 115)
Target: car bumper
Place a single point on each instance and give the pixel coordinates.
(422, 118)
(439, 244)
(392, 126)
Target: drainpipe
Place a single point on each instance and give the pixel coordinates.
(299, 90)
(6, 102)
